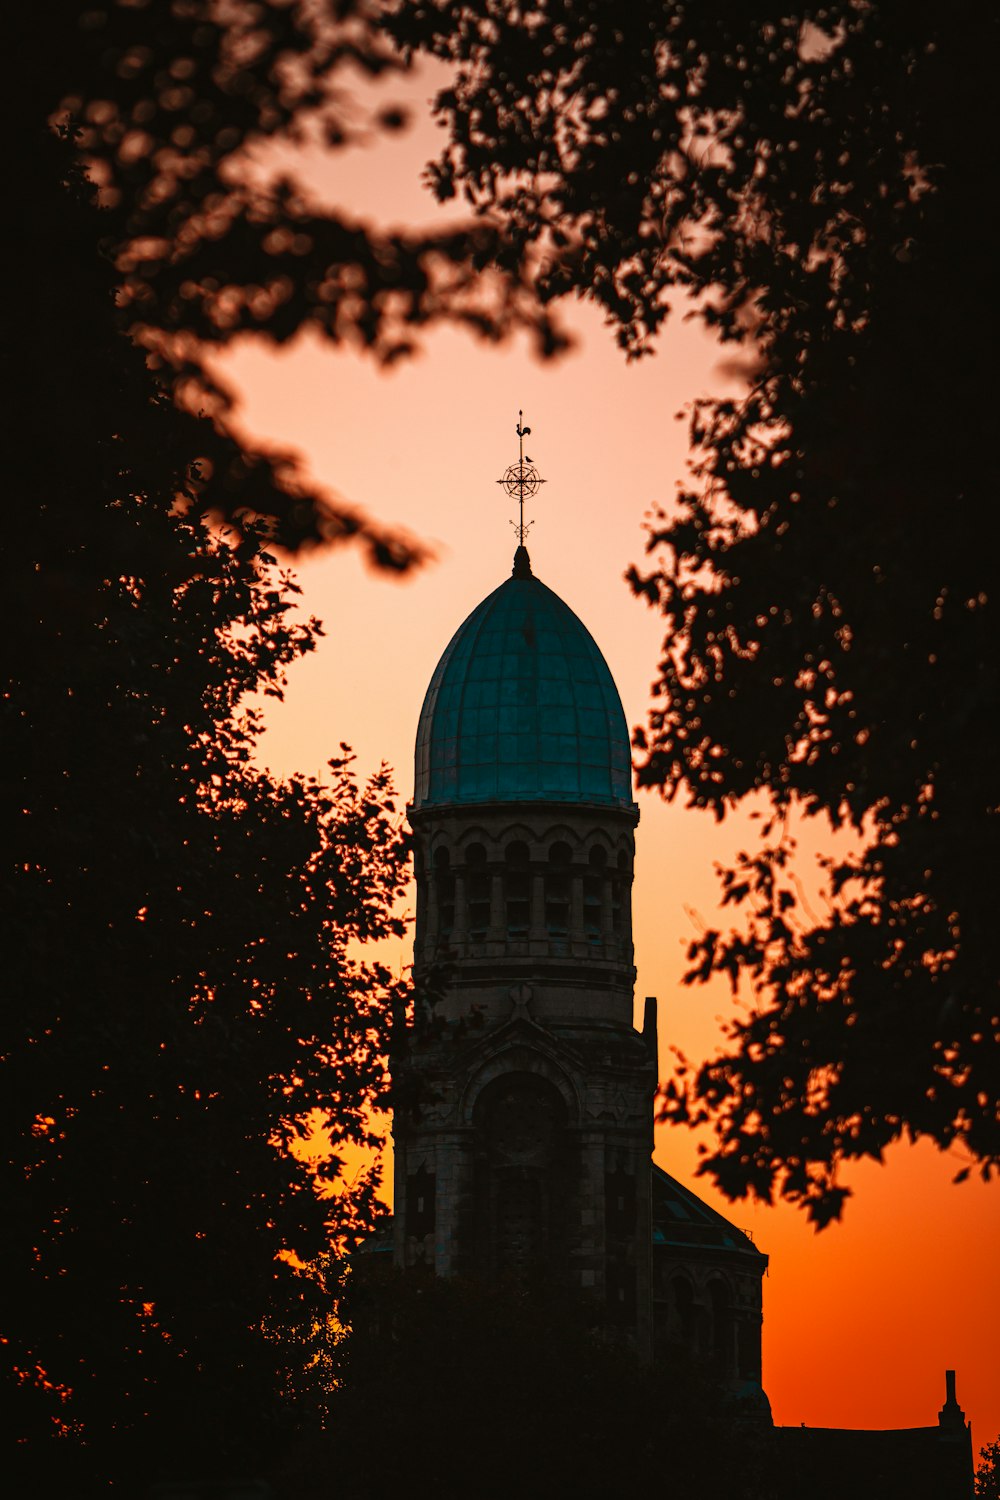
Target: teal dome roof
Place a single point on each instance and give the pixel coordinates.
(522, 708)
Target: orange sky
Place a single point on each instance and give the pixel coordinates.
(860, 1321)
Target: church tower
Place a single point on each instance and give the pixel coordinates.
(523, 1094)
(523, 1124)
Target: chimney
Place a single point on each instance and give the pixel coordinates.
(951, 1417)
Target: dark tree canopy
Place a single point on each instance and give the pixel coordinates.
(170, 103)
(182, 987)
(814, 177)
(988, 1472)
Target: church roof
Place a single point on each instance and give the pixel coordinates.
(683, 1221)
(522, 707)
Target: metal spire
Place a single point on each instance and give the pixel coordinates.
(521, 480)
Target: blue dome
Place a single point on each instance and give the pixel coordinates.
(522, 708)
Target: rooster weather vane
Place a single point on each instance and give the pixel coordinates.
(521, 481)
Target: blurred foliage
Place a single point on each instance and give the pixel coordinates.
(815, 178)
(184, 1000)
(185, 112)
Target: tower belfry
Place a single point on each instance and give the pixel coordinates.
(525, 1150)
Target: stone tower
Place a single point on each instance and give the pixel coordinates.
(523, 1092)
(523, 1124)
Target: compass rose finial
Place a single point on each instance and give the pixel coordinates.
(521, 481)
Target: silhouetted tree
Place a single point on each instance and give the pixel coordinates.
(988, 1472)
(174, 105)
(183, 996)
(813, 176)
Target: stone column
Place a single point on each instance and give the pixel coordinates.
(536, 928)
(592, 1252)
(498, 918)
(644, 1255)
(607, 927)
(460, 929)
(453, 1165)
(429, 900)
(576, 932)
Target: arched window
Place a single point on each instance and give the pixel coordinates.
(593, 893)
(517, 889)
(557, 878)
(444, 885)
(478, 891)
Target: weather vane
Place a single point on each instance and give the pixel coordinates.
(521, 481)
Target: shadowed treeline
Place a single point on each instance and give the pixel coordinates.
(178, 991)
